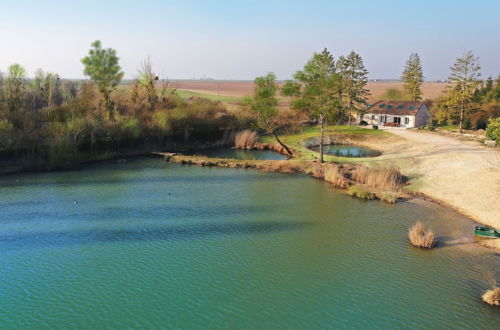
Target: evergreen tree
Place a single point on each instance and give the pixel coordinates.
(101, 65)
(317, 88)
(354, 80)
(464, 79)
(413, 77)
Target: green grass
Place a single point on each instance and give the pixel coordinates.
(449, 127)
(296, 140)
(124, 90)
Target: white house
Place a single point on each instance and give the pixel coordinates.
(397, 113)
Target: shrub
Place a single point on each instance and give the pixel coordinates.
(356, 191)
(493, 129)
(363, 123)
(421, 237)
(374, 126)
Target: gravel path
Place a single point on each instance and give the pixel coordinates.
(462, 174)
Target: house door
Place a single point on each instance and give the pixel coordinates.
(397, 120)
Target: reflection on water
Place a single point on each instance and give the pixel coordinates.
(151, 244)
(239, 154)
(347, 150)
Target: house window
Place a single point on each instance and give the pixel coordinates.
(407, 120)
(382, 119)
(373, 117)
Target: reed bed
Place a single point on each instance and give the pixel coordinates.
(492, 296)
(245, 139)
(381, 177)
(422, 237)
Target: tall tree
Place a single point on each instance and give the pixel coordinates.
(265, 105)
(317, 89)
(147, 81)
(413, 77)
(101, 65)
(464, 79)
(14, 85)
(354, 80)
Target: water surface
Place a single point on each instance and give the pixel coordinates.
(347, 150)
(151, 244)
(239, 154)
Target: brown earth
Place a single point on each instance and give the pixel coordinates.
(431, 90)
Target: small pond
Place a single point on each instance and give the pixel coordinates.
(347, 150)
(238, 154)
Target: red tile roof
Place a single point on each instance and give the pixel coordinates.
(400, 108)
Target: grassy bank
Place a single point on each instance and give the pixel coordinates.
(348, 134)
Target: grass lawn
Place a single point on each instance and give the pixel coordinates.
(448, 127)
(296, 140)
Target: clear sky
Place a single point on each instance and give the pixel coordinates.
(243, 39)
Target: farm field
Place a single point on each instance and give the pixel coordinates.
(236, 89)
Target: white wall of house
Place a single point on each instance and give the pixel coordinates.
(380, 119)
(422, 116)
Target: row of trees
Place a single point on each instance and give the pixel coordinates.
(325, 90)
(469, 101)
(48, 120)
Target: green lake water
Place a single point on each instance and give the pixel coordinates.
(239, 154)
(150, 244)
(347, 150)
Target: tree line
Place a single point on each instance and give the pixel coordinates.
(47, 121)
(51, 120)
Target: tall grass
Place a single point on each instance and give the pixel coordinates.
(382, 177)
(245, 139)
(421, 237)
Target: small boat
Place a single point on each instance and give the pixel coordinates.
(486, 232)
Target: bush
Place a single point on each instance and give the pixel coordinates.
(493, 129)
(421, 237)
(374, 126)
(363, 123)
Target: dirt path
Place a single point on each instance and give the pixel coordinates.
(462, 174)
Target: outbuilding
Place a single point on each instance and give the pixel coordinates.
(406, 114)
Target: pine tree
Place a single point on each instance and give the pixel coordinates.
(317, 88)
(354, 80)
(464, 79)
(101, 65)
(413, 77)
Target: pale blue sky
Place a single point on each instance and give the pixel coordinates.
(243, 39)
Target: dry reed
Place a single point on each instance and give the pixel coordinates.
(387, 178)
(492, 296)
(245, 139)
(421, 237)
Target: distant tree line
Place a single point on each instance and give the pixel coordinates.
(47, 120)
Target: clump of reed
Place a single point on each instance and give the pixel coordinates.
(492, 296)
(381, 177)
(422, 237)
(245, 139)
(334, 174)
(356, 191)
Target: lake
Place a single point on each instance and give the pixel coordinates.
(150, 244)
